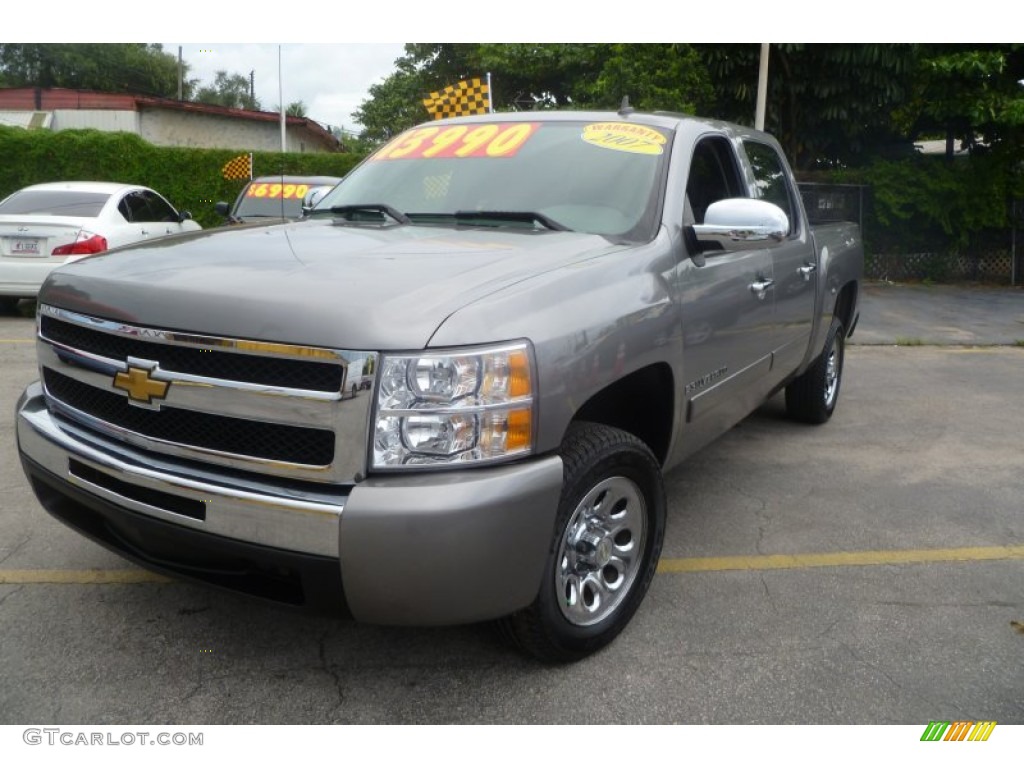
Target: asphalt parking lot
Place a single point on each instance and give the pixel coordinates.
(867, 571)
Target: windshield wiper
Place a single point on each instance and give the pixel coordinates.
(349, 212)
(527, 217)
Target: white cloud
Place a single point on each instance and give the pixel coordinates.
(332, 80)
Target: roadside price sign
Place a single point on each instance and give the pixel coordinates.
(276, 191)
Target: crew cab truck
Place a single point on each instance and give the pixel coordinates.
(553, 309)
(267, 198)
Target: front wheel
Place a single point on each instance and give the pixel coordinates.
(812, 396)
(605, 549)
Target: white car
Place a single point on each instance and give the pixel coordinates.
(46, 225)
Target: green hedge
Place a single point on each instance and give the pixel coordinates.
(929, 204)
(189, 178)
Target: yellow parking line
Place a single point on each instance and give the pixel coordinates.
(953, 349)
(17, 341)
(987, 348)
(838, 559)
(124, 576)
(667, 565)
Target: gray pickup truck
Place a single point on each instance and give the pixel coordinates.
(450, 393)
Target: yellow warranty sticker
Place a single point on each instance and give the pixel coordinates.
(625, 137)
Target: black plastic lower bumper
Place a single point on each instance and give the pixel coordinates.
(280, 576)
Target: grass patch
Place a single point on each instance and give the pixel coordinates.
(908, 341)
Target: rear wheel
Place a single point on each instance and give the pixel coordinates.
(812, 396)
(605, 549)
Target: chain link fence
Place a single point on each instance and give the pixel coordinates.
(996, 256)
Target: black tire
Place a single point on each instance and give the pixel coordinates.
(812, 396)
(9, 305)
(596, 575)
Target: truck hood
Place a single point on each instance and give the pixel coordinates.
(314, 282)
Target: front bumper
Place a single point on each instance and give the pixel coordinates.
(426, 549)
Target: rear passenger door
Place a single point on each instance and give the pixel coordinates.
(726, 321)
(149, 215)
(794, 262)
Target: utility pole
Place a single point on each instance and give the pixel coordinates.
(252, 88)
(181, 75)
(280, 97)
(762, 88)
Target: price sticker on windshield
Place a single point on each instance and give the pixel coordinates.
(625, 137)
(277, 191)
(472, 140)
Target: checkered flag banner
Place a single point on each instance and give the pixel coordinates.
(238, 168)
(467, 97)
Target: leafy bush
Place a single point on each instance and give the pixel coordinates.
(926, 203)
(189, 178)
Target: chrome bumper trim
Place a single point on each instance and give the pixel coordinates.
(257, 516)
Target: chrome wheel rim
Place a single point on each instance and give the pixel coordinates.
(832, 373)
(601, 551)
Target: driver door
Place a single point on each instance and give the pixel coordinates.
(727, 306)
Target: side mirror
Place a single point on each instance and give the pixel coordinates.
(222, 208)
(314, 196)
(741, 224)
(184, 216)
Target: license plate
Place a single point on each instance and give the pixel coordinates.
(26, 247)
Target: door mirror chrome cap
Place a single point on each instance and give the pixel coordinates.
(740, 224)
(314, 196)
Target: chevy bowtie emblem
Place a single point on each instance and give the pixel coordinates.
(140, 385)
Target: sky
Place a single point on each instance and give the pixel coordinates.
(332, 54)
(332, 80)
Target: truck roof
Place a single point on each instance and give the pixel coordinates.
(668, 120)
(287, 178)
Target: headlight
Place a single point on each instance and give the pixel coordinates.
(454, 407)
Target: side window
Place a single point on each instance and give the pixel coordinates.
(133, 207)
(770, 180)
(124, 209)
(156, 208)
(713, 176)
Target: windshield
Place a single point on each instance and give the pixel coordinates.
(271, 199)
(599, 178)
(55, 203)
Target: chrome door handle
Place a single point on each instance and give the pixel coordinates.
(806, 271)
(760, 287)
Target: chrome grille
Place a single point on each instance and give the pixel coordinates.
(276, 442)
(278, 409)
(297, 374)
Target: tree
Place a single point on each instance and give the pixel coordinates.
(528, 76)
(116, 67)
(828, 105)
(396, 103)
(228, 91)
(655, 77)
(294, 109)
(968, 92)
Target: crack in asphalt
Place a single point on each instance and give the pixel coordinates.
(827, 630)
(14, 591)
(764, 519)
(15, 549)
(856, 657)
(768, 594)
(332, 671)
